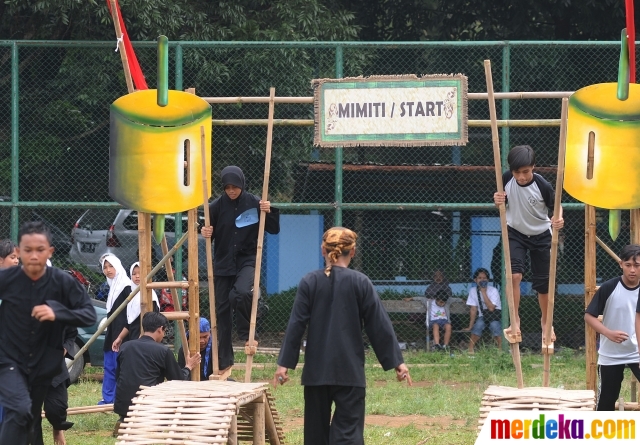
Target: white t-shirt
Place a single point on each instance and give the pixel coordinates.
(492, 293)
(437, 312)
(617, 305)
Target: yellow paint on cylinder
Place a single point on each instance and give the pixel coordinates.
(148, 148)
(616, 147)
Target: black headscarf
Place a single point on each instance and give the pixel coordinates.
(232, 175)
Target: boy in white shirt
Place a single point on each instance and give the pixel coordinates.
(616, 301)
(485, 304)
(439, 320)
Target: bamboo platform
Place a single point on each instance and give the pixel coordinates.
(504, 398)
(209, 412)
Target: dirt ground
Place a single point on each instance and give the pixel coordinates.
(420, 422)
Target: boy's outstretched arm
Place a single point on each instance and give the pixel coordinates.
(600, 328)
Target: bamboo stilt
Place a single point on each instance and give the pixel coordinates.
(589, 291)
(513, 338)
(212, 295)
(547, 346)
(251, 347)
(606, 248)
(194, 294)
(176, 301)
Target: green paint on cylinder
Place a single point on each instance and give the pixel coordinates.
(623, 67)
(614, 224)
(163, 71)
(158, 228)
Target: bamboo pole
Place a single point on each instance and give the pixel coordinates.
(525, 123)
(547, 346)
(514, 338)
(194, 292)
(309, 99)
(207, 223)
(175, 299)
(232, 438)
(606, 248)
(121, 48)
(250, 350)
(144, 256)
(120, 308)
(589, 291)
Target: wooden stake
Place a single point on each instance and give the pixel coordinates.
(207, 223)
(259, 407)
(121, 49)
(194, 293)
(251, 348)
(514, 338)
(589, 291)
(144, 252)
(547, 346)
(176, 300)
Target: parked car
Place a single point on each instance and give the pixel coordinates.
(115, 231)
(95, 354)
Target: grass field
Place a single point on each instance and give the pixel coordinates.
(441, 408)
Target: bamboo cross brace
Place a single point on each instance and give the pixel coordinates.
(126, 301)
(207, 223)
(547, 347)
(251, 349)
(176, 301)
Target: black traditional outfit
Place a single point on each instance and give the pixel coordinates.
(56, 402)
(334, 309)
(235, 259)
(31, 351)
(143, 362)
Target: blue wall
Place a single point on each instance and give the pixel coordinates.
(294, 252)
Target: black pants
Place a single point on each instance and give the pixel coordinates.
(539, 247)
(347, 425)
(55, 409)
(22, 404)
(610, 380)
(233, 294)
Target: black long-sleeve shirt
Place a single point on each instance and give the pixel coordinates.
(204, 373)
(36, 347)
(68, 340)
(236, 247)
(143, 362)
(119, 323)
(335, 308)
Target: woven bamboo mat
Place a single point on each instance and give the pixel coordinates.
(182, 412)
(504, 398)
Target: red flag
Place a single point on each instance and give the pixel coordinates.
(631, 32)
(134, 67)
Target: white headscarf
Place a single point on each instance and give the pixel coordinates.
(133, 309)
(117, 283)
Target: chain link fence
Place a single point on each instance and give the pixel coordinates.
(416, 210)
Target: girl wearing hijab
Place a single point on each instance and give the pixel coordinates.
(133, 308)
(119, 289)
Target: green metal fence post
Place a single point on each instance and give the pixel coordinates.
(504, 148)
(15, 143)
(338, 153)
(177, 341)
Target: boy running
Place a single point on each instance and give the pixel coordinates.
(616, 301)
(37, 302)
(529, 199)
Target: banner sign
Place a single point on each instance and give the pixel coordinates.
(395, 111)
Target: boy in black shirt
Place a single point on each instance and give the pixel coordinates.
(37, 302)
(234, 226)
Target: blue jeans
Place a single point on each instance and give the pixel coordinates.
(495, 327)
(109, 382)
